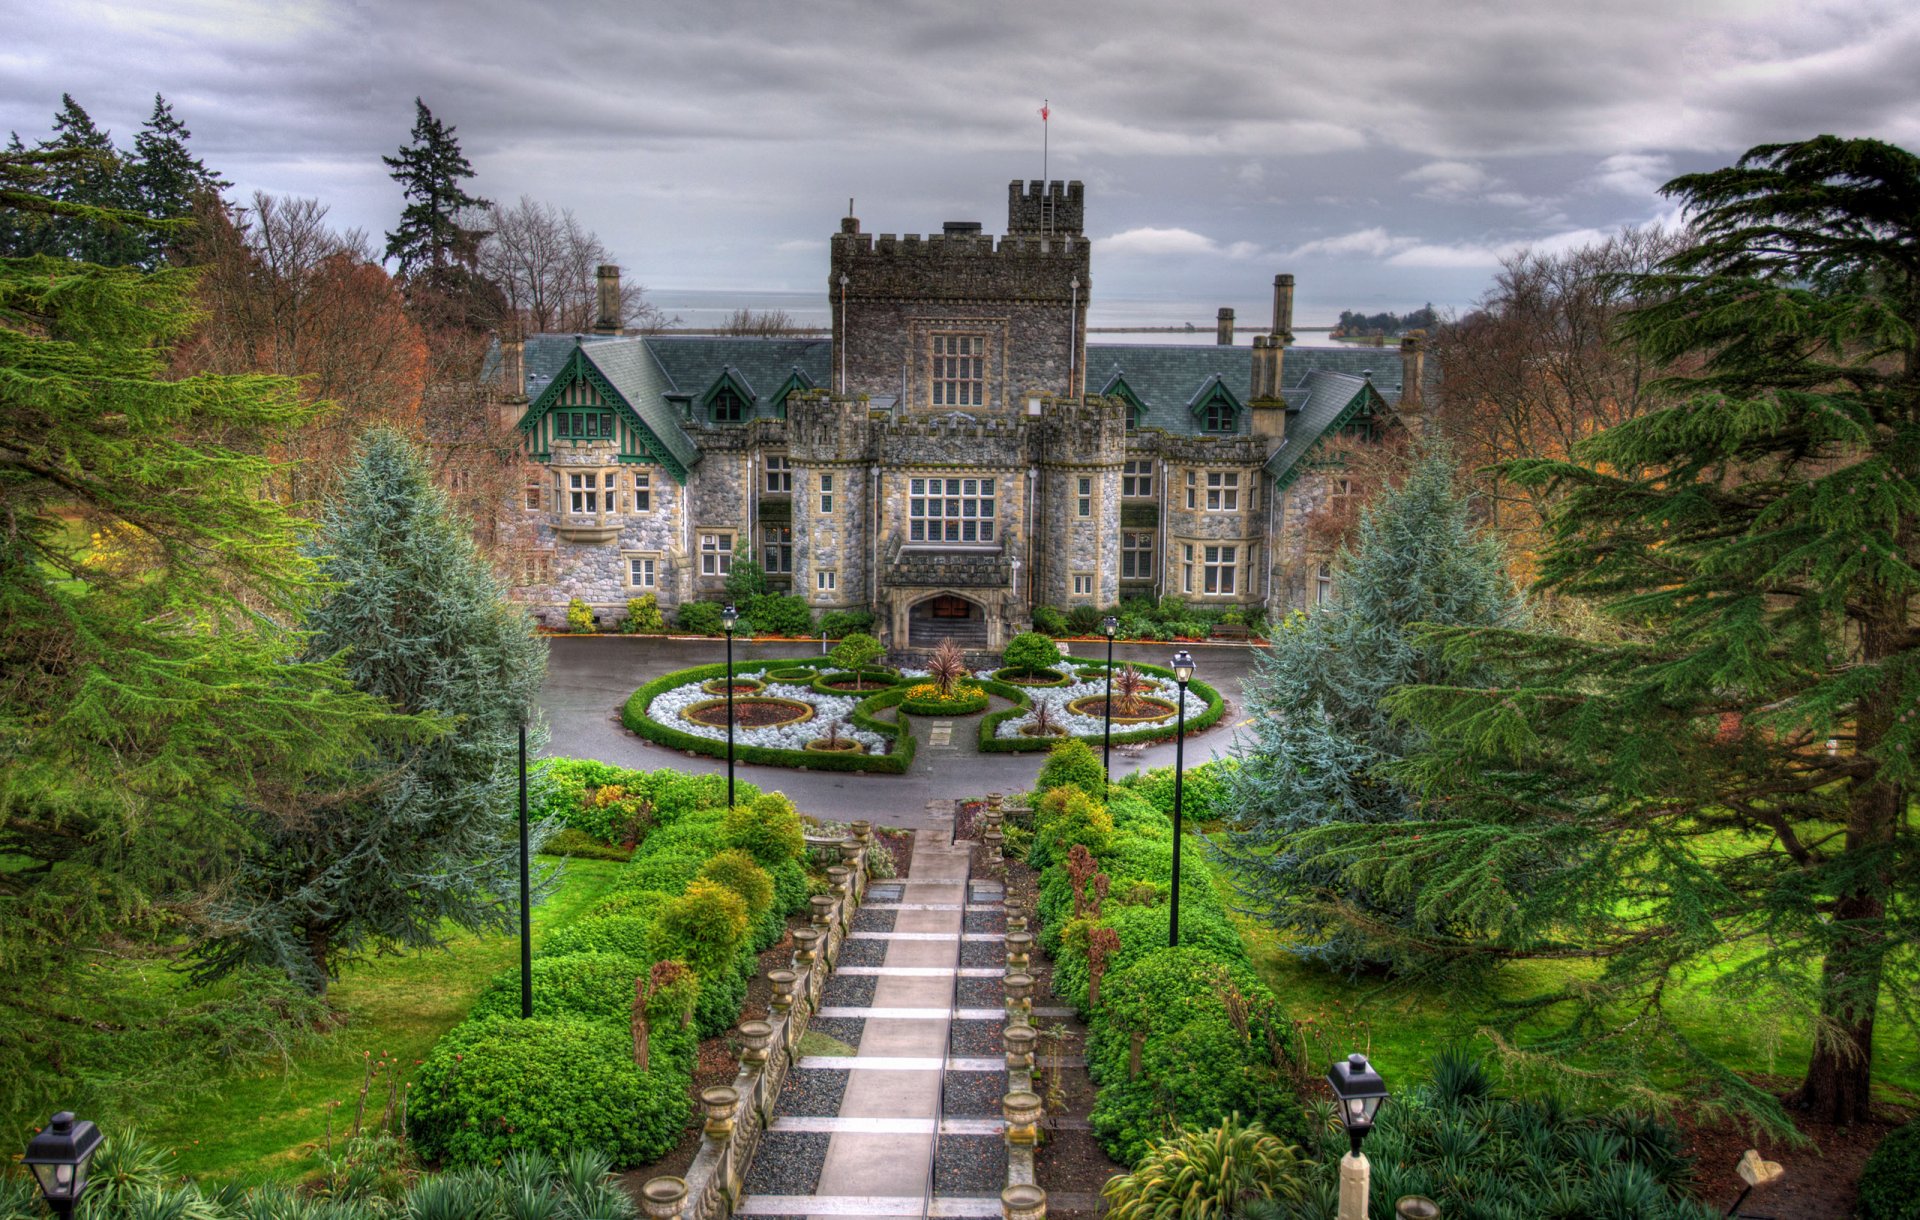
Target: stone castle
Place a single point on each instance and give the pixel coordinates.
(954, 456)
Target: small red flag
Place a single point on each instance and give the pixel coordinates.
(1043, 112)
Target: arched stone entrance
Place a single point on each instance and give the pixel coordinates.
(948, 616)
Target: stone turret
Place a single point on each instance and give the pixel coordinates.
(1046, 207)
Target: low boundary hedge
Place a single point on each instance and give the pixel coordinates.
(977, 701)
(990, 744)
(634, 715)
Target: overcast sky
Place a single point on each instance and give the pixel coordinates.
(1387, 154)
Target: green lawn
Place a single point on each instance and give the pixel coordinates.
(267, 1124)
(1404, 1030)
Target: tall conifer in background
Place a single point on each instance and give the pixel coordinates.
(423, 624)
(168, 181)
(1729, 794)
(1321, 733)
(432, 172)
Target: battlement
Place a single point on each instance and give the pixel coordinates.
(960, 245)
(1046, 207)
(959, 266)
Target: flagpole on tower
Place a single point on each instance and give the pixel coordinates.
(1043, 144)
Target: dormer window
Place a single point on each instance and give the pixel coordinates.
(727, 407)
(1219, 416)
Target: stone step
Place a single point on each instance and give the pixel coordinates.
(923, 972)
(900, 1063)
(926, 1014)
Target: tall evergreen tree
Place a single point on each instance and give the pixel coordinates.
(145, 686)
(424, 625)
(1731, 789)
(168, 180)
(431, 171)
(1321, 733)
(96, 176)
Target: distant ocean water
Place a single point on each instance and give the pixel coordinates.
(706, 309)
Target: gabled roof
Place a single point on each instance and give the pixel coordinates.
(1213, 389)
(694, 363)
(1329, 401)
(629, 369)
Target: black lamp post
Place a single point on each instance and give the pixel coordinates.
(728, 618)
(1358, 1091)
(1182, 674)
(1110, 625)
(58, 1157)
(526, 891)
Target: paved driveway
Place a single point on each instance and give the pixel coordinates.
(590, 677)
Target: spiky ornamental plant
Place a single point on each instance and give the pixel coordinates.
(1672, 803)
(1321, 732)
(423, 624)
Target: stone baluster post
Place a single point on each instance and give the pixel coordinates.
(840, 877)
(1019, 1041)
(1019, 999)
(1019, 951)
(720, 1103)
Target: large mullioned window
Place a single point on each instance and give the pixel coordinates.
(959, 370)
(950, 510)
(583, 425)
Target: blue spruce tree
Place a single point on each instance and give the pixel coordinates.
(425, 837)
(1321, 733)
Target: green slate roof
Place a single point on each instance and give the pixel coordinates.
(1328, 400)
(695, 363)
(629, 367)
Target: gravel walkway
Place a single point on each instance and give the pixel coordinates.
(788, 1162)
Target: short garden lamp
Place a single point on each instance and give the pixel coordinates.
(1182, 674)
(58, 1157)
(1110, 627)
(728, 618)
(1358, 1091)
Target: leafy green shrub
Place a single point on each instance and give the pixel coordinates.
(1084, 620)
(925, 699)
(700, 833)
(702, 927)
(856, 651)
(663, 870)
(1072, 764)
(579, 615)
(779, 614)
(722, 994)
(699, 618)
(1031, 651)
(789, 887)
(677, 793)
(1205, 793)
(624, 901)
(1064, 817)
(643, 614)
(499, 1084)
(1208, 1174)
(630, 935)
(1890, 1183)
(838, 624)
(738, 871)
(1141, 930)
(1048, 621)
(768, 829)
(596, 986)
(1210, 1040)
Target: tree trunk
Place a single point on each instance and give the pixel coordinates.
(319, 949)
(1839, 1082)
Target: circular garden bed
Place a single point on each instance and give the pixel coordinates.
(1146, 709)
(1030, 677)
(756, 712)
(741, 686)
(844, 682)
(925, 699)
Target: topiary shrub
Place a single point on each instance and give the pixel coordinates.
(1064, 817)
(1209, 1172)
(856, 651)
(551, 1084)
(596, 986)
(737, 870)
(1890, 1183)
(1072, 764)
(579, 616)
(630, 935)
(1030, 652)
(699, 618)
(643, 614)
(702, 927)
(768, 829)
(1183, 1038)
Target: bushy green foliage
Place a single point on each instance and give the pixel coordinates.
(700, 832)
(596, 986)
(1890, 1183)
(1141, 930)
(856, 651)
(1064, 817)
(778, 614)
(1072, 764)
(618, 805)
(1208, 1173)
(579, 616)
(1083, 620)
(699, 618)
(629, 935)
(722, 993)
(703, 927)
(582, 846)
(789, 887)
(768, 829)
(1212, 1041)
(1206, 794)
(643, 614)
(838, 624)
(739, 872)
(663, 870)
(626, 900)
(1031, 651)
(1475, 1153)
(497, 1085)
(1049, 621)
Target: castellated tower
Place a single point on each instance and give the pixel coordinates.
(960, 320)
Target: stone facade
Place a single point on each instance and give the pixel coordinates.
(942, 462)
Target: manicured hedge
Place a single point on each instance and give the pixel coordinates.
(634, 716)
(990, 744)
(969, 699)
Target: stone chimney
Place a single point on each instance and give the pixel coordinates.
(1282, 310)
(1269, 409)
(1413, 367)
(1223, 329)
(513, 366)
(608, 320)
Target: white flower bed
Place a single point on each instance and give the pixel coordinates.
(667, 708)
(1058, 697)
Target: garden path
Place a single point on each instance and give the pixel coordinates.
(902, 1116)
